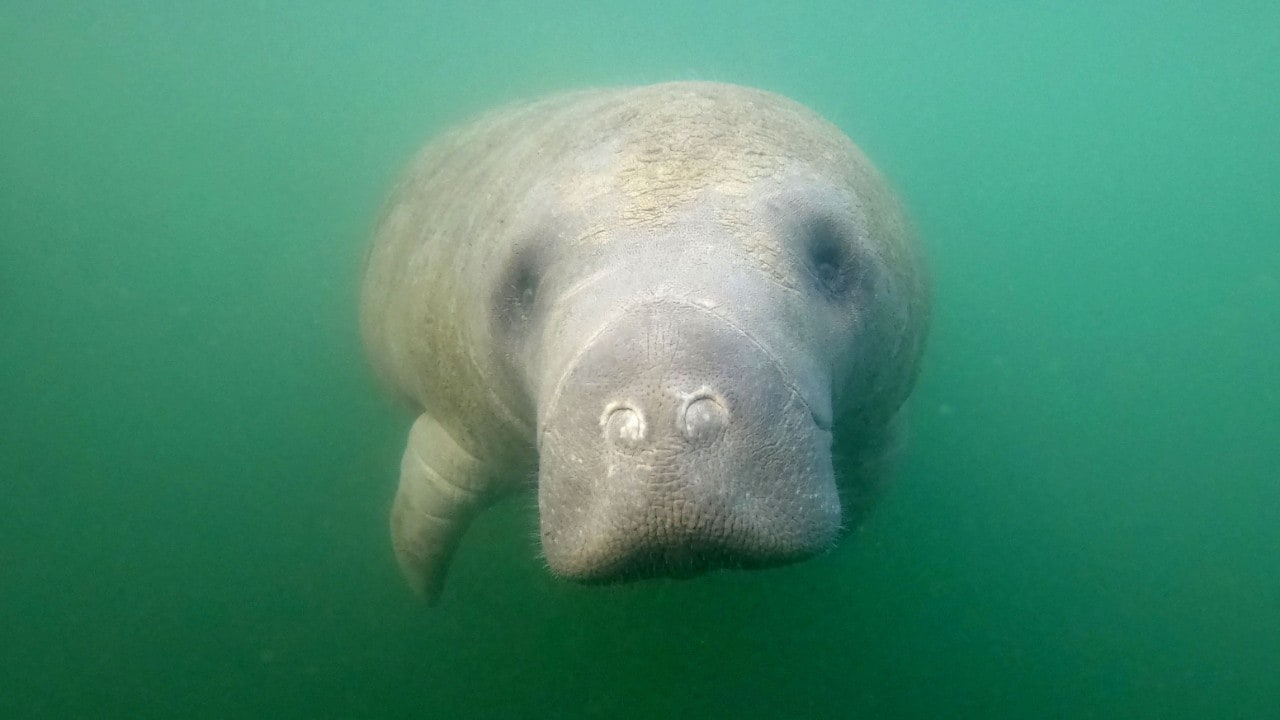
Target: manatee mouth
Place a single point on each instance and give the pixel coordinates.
(683, 563)
(675, 445)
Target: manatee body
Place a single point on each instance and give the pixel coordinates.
(672, 305)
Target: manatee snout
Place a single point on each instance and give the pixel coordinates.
(676, 443)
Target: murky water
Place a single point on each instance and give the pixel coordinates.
(195, 464)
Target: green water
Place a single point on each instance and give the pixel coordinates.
(195, 465)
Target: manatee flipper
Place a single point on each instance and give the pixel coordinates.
(442, 487)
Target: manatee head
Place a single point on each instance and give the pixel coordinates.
(709, 294)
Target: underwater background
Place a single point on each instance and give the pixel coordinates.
(196, 463)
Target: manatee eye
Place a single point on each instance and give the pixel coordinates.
(518, 295)
(525, 291)
(828, 258)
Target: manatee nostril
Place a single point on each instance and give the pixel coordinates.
(704, 418)
(624, 426)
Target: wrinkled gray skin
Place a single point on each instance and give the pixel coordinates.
(672, 305)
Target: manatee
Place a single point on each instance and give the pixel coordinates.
(688, 314)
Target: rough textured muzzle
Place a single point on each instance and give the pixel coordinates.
(675, 443)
